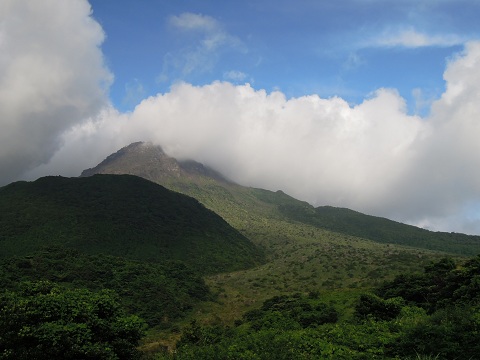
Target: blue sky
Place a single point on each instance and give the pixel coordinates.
(347, 48)
(372, 105)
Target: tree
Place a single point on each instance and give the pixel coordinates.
(45, 321)
(370, 305)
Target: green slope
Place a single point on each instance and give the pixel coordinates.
(381, 230)
(254, 211)
(119, 215)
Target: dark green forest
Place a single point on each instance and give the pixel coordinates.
(159, 293)
(44, 321)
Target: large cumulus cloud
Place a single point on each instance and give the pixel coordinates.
(52, 76)
(444, 178)
(321, 150)
(373, 157)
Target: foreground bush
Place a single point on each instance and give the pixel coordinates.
(44, 321)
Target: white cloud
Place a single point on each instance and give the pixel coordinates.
(201, 54)
(87, 144)
(411, 38)
(321, 150)
(190, 21)
(52, 76)
(235, 76)
(423, 100)
(134, 93)
(450, 156)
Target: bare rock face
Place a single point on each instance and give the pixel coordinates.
(150, 162)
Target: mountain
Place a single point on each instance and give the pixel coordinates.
(249, 209)
(150, 162)
(242, 207)
(124, 216)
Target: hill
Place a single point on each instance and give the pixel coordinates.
(244, 207)
(124, 216)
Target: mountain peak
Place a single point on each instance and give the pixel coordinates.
(149, 161)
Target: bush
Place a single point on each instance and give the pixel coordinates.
(451, 333)
(370, 305)
(44, 321)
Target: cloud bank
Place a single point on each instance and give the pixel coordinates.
(373, 157)
(51, 77)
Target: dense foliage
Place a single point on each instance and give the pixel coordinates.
(266, 333)
(119, 215)
(159, 293)
(44, 321)
(443, 284)
(291, 312)
(390, 327)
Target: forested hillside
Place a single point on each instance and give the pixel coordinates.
(87, 264)
(119, 215)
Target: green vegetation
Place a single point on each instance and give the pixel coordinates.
(119, 215)
(44, 321)
(291, 312)
(381, 230)
(159, 293)
(305, 327)
(443, 284)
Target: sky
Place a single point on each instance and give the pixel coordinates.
(372, 105)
